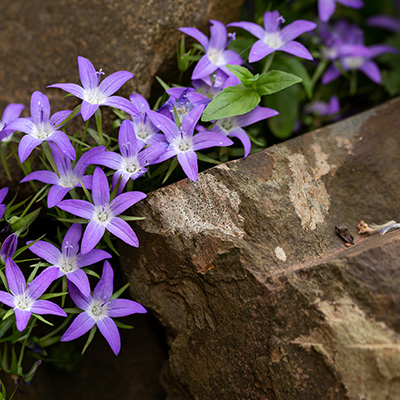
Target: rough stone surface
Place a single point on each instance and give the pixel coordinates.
(259, 297)
(41, 39)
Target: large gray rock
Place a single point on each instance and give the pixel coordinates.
(259, 297)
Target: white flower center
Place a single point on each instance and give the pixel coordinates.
(227, 124)
(23, 302)
(102, 214)
(353, 62)
(43, 130)
(67, 264)
(183, 144)
(216, 57)
(94, 96)
(69, 180)
(273, 40)
(98, 309)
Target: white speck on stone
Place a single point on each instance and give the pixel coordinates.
(280, 253)
(321, 161)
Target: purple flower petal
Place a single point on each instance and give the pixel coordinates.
(123, 307)
(22, 318)
(128, 144)
(122, 230)
(203, 68)
(39, 285)
(254, 29)
(139, 102)
(70, 243)
(372, 71)
(352, 3)
(191, 119)
(80, 280)
(80, 325)
(47, 307)
(295, 29)
(15, 278)
(3, 193)
(81, 301)
(231, 58)
(87, 73)
(81, 208)
(196, 34)
(385, 22)
(100, 188)
(42, 176)
(56, 194)
(40, 108)
(168, 153)
(108, 159)
(258, 114)
(12, 112)
(109, 330)
(121, 104)
(62, 141)
(259, 51)
(124, 201)
(207, 139)
(88, 109)
(217, 35)
(7, 299)
(26, 145)
(163, 123)
(22, 124)
(150, 154)
(114, 82)
(330, 74)
(378, 49)
(243, 137)
(296, 49)
(92, 257)
(326, 8)
(188, 162)
(93, 233)
(59, 117)
(72, 88)
(47, 251)
(8, 247)
(272, 21)
(104, 287)
(84, 161)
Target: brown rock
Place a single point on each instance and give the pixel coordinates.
(41, 39)
(257, 293)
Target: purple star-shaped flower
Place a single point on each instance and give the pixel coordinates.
(68, 177)
(216, 56)
(3, 194)
(182, 142)
(272, 38)
(326, 8)
(68, 261)
(233, 126)
(8, 247)
(322, 108)
(103, 213)
(95, 94)
(11, 113)
(99, 310)
(146, 133)
(24, 299)
(132, 161)
(42, 127)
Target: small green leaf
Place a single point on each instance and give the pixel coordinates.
(131, 218)
(204, 158)
(51, 295)
(40, 318)
(232, 101)
(275, 81)
(8, 313)
(74, 310)
(123, 326)
(120, 291)
(19, 225)
(75, 111)
(171, 168)
(240, 72)
(89, 339)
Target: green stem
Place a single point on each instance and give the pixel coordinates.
(99, 125)
(353, 83)
(84, 132)
(318, 72)
(21, 354)
(268, 62)
(38, 194)
(4, 160)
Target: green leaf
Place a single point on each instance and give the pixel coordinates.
(70, 116)
(74, 310)
(89, 339)
(5, 326)
(295, 66)
(51, 295)
(172, 166)
(162, 83)
(40, 318)
(275, 81)
(90, 272)
(235, 100)
(8, 313)
(131, 218)
(120, 291)
(18, 224)
(240, 72)
(123, 326)
(204, 158)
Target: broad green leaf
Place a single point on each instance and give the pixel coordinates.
(240, 72)
(235, 100)
(275, 81)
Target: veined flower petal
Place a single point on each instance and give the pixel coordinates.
(93, 233)
(80, 300)
(124, 307)
(81, 208)
(122, 230)
(104, 288)
(47, 307)
(196, 34)
(7, 299)
(80, 325)
(42, 176)
(100, 188)
(297, 49)
(46, 250)
(112, 83)
(88, 109)
(39, 285)
(72, 88)
(217, 34)
(56, 194)
(188, 162)
(87, 73)
(63, 142)
(92, 257)
(15, 278)
(109, 330)
(22, 318)
(80, 280)
(26, 145)
(251, 27)
(40, 108)
(124, 201)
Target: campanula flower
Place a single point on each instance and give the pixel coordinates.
(272, 38)
(8, 247)
(95, 93)
(132, 162)
(3, 194)
(67, 177)
(322, 108)
(216, 57)
(102, 214)
(11, 113)
(99, 310)
(182, 142)
(326, 8)
(24, 298)
(42, 127)
(69, 261)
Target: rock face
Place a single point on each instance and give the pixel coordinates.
(259, 297)
(41, 39)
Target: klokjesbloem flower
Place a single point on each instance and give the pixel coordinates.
(11, 113)
(68, 261)
(42, 127)
(99, 310)
(67, 177)
(326, 8)
(24, 298)
(102, 214)
(95, 93)
(272, 38)
(3, 194)
(8, 247)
